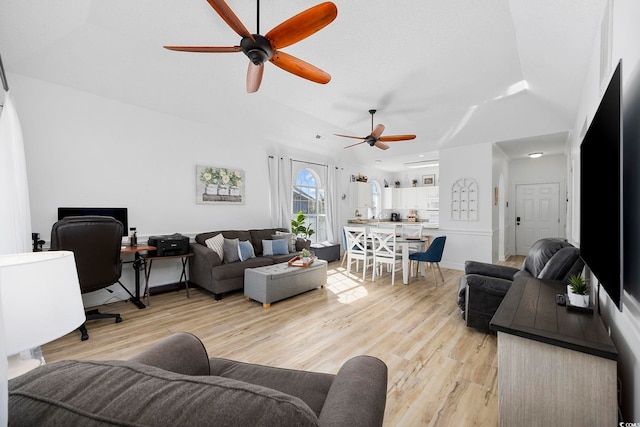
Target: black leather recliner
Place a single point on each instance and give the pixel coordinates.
(484, 285)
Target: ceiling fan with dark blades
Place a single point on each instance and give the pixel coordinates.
(260, 49)
(375, 138)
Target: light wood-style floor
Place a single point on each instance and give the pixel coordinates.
(441, 373)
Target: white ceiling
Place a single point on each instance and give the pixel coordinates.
(450, 71)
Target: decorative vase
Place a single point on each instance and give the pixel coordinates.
(223, 190)
(234, 190)
(211, 189)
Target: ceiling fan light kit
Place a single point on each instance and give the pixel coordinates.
(375, 138)
(260, 49)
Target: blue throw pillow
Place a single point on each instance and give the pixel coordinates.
(275, 247)
(245, 250)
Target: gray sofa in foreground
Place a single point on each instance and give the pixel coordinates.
(209, 271)
(174, 383)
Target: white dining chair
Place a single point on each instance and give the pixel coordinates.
(413, 230)
(357, 248)
(385, 252)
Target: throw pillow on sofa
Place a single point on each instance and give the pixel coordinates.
(290, 236)
(245, 250)
(217, 244)
(275, 247)
(231, 250)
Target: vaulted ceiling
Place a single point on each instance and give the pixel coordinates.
(453, 72)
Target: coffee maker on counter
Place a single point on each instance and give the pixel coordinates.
(395, 216)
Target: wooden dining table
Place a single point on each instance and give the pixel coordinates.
(404, 244)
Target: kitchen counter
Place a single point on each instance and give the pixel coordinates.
(425, 224)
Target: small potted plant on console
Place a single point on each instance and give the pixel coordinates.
(578, 291)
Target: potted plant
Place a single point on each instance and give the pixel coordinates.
(578, 291)
(301, 230)
(305, 255)
(415, 182)
(397, 183)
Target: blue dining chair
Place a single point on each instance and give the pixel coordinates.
(432, 255)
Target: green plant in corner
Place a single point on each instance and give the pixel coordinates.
(578, 285)
(299, 227)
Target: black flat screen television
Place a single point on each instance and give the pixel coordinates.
(118, 213)
(631, 185)
(601, 190)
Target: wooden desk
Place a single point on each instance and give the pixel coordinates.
(147, 271)
(138, 263)
(556, 367)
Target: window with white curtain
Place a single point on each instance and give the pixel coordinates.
(309, 197)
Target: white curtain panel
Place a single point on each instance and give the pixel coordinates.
(334, 228)
(280, 191)
(15, 213)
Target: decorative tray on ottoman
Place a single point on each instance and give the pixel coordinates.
(297, 262)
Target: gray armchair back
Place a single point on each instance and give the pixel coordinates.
(484, 285)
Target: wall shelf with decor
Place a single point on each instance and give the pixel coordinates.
(464, 200)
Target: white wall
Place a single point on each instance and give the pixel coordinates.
(502, 228)
(467, 240)
(83, 150)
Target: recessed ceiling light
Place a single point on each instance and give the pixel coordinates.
(535, 155)
(378, 161)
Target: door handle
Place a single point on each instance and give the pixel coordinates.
(518, 220)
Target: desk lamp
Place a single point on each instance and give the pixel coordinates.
(40, 301)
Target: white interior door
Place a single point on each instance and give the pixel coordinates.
(537, 214)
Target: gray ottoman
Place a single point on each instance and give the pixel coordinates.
(276, 282)
(326, 251)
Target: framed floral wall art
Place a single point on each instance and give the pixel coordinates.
(216, 184)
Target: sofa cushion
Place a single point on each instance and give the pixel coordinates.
(227, 234)
(275, 247)
(311, 387)
(127, 393)
(231, 250)
(217, 244)
(277, 259)
(258, 235)
(245, 250)
(236, 269)
(291, 239)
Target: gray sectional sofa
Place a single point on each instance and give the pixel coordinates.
(175, 383)
(209, 271)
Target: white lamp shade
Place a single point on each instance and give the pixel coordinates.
(40, 297)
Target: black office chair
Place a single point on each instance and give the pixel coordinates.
(95, 242)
